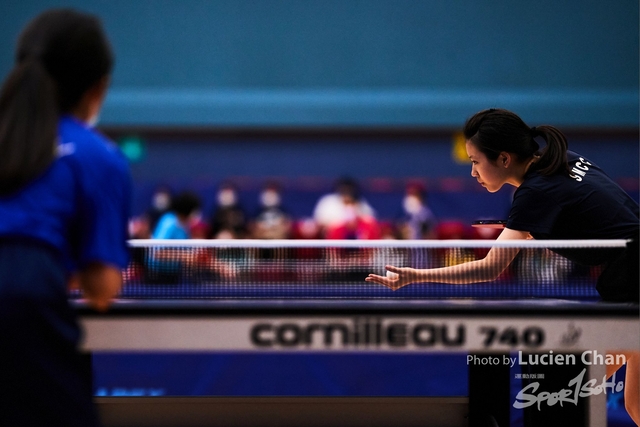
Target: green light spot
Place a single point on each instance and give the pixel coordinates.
(133, 148)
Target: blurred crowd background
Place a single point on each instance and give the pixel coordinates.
(343, 213)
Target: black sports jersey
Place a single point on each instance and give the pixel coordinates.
(582, 204)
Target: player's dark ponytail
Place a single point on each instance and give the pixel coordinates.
(60, 55)
(553, 157)
(28, 125)
(496, 130)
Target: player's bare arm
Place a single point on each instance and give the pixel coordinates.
(482, 270)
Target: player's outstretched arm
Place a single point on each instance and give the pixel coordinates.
(482, 270)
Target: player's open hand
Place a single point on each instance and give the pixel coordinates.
(396, 278)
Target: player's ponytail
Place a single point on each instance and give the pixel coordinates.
(553, 157)
(28, 125)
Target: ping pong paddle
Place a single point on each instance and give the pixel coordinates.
(490, 223)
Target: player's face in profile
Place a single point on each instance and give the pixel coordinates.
(487, 172)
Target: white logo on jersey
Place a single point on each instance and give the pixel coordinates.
(580, 169)
(65, 149)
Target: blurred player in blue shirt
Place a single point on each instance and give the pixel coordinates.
(64, 206)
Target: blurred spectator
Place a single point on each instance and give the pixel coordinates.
(344, 209)
(139, 228)
(199, 229)
(228, 220)
(272, 221)
(452, 230)
(357, 222)
(142, 227)
(165, 266)
(176, 223)
(389, 231)
(160, 204)
(417, 220)
(305, 228)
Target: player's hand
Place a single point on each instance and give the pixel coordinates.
(396, 278)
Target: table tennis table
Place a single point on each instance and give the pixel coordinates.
(485, 329)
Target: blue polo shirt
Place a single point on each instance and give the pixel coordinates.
(169, 227)
(80, 205)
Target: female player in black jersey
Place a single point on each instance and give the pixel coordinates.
(64, 205)
(559, 195)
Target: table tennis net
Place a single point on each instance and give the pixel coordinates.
(337, 269)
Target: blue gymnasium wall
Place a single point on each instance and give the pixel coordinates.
(334, 64)
(240, 63)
